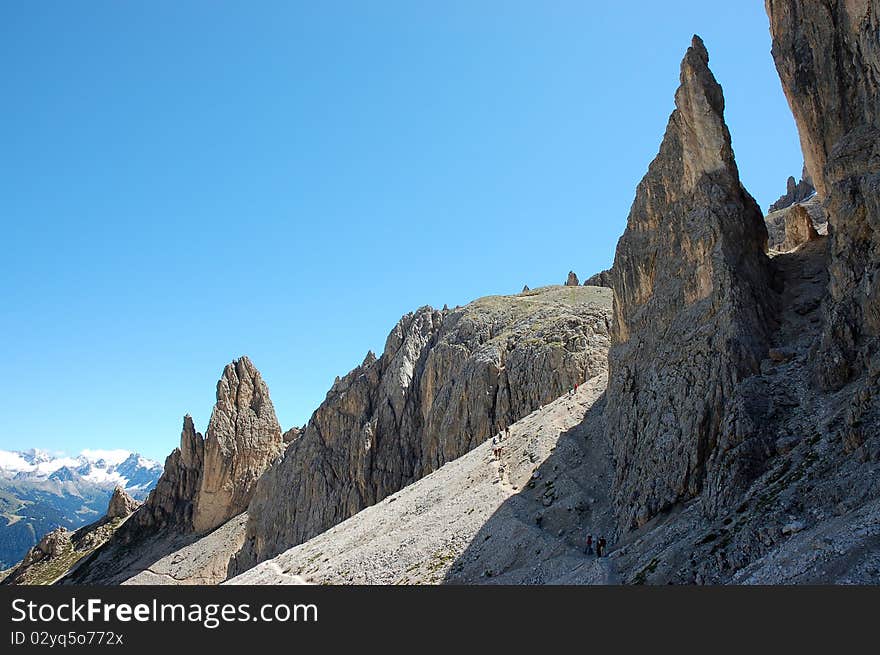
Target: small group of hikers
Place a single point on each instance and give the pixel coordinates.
(600, 546)
(574, 390)
(497, 447)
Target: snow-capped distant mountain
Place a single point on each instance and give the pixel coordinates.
(109, 468)
(40, 491)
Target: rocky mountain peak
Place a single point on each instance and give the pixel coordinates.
(243, 436)
(691, 295)
(121, 504)
(572, 280)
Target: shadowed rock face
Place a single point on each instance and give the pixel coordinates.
(828, 58)
(600, 279)
(447, 381)
(691, 308)
(795, 224)
(172, 501)
(121, 504)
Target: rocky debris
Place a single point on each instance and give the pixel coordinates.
(790, 227)
(692, 309)
(828, 58)
(600, 279)
(460, 521)
(572, 280)
(445, 382)
(51, 545)
(201, 562)
(795, 192)
(793, 527)
(291, 435)
(121, 504)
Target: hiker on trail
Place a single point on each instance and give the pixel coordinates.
(575, 387)
(507, 432)
(600, 546)
(589, 547)
(496, 447)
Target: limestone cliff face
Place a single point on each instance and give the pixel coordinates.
(208, 480)
(446, 381)
(172, 501)
(243, 436)
(828, 57)
(691, 313)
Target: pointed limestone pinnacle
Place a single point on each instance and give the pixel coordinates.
(121, 504)
(242, 438)
(699, 115)
(691, 261)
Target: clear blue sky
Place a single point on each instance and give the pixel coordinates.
(183, 183)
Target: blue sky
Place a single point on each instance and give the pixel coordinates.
(183, 183)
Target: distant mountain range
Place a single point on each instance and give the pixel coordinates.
(40, 491)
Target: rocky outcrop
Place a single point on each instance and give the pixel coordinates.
(206, 482)
(795, 192)
(828, 58)
(445, 382)
(291, 435)
(600, 279)
(572, 280)
(210, 479)
(691, 315)
(121, 504)
(61, 550)
(171, 503)
(798, 228)
(787, 228)
(243, 436)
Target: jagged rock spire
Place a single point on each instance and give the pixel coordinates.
(243, 437)
(121, 504)
(691, 288)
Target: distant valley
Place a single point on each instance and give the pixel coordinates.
(40, 491)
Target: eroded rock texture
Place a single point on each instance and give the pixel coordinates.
(795, 192)
(121, 504)
(827, 53)
(243, 436)
(789, 227)
(691, 315)
(207, 480)
(600, 279)
(446, 381)
(210, 479)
